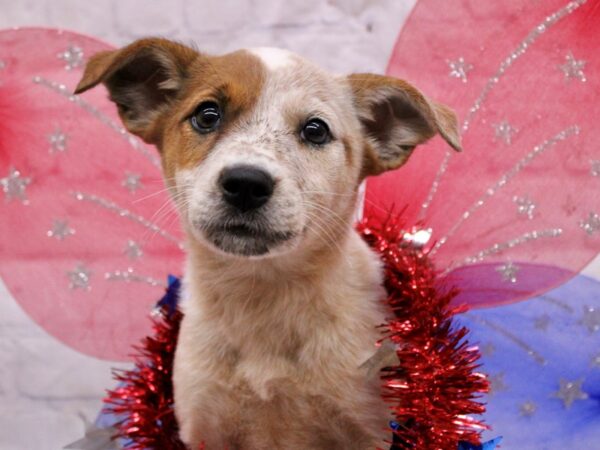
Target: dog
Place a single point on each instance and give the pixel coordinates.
(263, 154)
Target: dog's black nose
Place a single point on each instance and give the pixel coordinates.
(246, 187)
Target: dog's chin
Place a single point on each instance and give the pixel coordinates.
(247, 240)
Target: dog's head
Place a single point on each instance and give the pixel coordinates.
(261, 149)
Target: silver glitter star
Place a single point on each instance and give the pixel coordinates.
(133, 250)
(569, 392)
(60, 230)
(95, 438)
(14, 185)
(525, 207)
(497, 383)
(132, 182)
(591, 318)
(542, 322)
(58, 141)
(591, 224)
(528, 409)
(504, 132)
(573, 68)
(460, 68)
(488, 349)
(73, 56)
(79, 277)
(508, 271)
(595, 169)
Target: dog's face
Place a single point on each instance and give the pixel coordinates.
(261, 149)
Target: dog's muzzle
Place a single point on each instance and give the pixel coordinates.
(242, 225)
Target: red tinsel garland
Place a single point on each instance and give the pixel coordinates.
(433, 390)
(435, 387)
(143, 401)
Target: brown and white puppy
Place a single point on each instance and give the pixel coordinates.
(263, 153)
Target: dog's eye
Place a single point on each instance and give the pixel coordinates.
(316, 132)
(206, 118)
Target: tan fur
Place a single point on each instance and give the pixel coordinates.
(275, 351)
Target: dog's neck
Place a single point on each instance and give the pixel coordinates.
(276, 311)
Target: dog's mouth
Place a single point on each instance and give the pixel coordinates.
(245, 238)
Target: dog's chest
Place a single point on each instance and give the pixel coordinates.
(257, 343)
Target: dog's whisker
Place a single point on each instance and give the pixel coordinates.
(154, 194)
(329, 235)
(366, 200)
(161, 214)
(332, 214)
(329, 193)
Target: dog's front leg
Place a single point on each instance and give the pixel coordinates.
(204, 404)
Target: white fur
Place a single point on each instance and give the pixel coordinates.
(273, 58)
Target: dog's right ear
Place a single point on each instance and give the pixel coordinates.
(396, 117)
(142, 79)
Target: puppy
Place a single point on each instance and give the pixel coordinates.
(263, 153)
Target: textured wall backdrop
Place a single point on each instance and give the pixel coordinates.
(46, 388)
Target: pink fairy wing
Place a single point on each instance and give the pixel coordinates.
(517, 212)
(88, 233)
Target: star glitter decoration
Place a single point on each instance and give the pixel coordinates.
(73, 56)
(595, 169)
(58, 141)
(569, 392)
(488, 349)
(497, 383)
(133, 249)
(14, 186)
(525, 207)
(508, 271)
(79, 277)
(504, 132)
(573, 68)
(132, 182)
(542, 322)
(460, 68)
(591, 224)
(591, 318)
(528, 409)
(60, 230)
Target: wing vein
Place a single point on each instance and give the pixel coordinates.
(519, 51)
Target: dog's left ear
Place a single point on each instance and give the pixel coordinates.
(142, 79)
(397, 117)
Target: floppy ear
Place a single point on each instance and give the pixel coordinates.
(142, 79)
(396, 117)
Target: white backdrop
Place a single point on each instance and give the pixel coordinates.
(45, 386)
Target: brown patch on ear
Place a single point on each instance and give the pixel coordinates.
(141, 78)
(397, 117)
